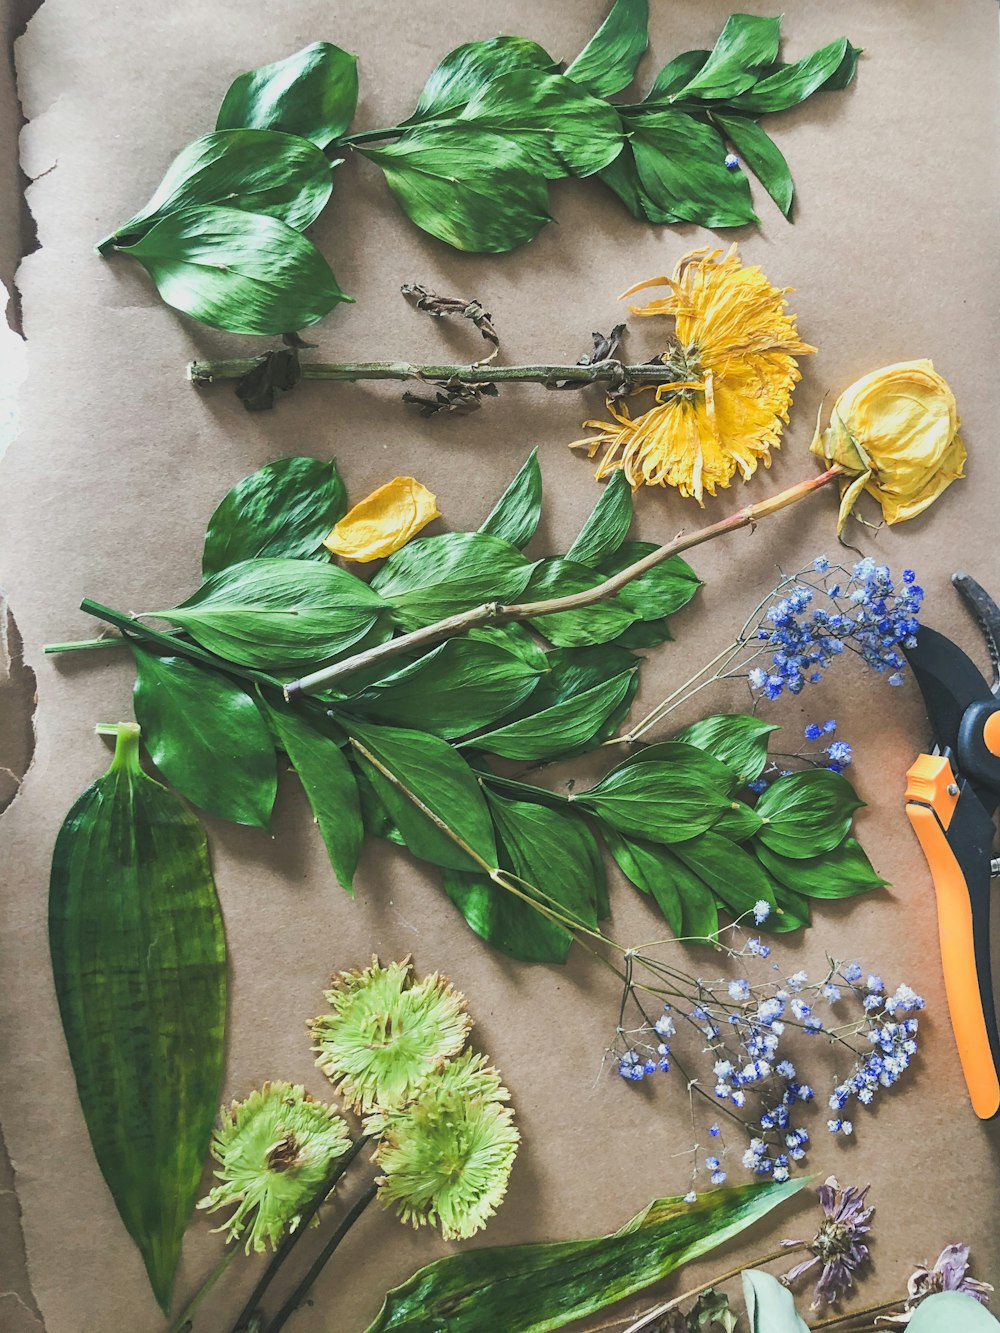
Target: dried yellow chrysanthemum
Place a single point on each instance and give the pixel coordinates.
(384, 521)
(728, 379)
(895, 432)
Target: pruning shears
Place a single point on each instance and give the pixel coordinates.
(951, 798)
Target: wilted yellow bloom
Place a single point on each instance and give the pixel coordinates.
(727, 386)
(384, 521)
(895, 432)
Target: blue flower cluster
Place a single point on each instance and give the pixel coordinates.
(743, 1028)
(837, 755)
(866, 613)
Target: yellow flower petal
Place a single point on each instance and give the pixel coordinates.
(728, 380)
(384, 521)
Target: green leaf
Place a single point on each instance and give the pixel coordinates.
(458, 686)
(562, 727)
(504, 921)
(535, 1288)
(794, 911)
(313, 93)
(832, 66)
(770, 1305)
(516, 639)
(699, 913)
(608, 62)
(622, 177)
(745, 45)
(467, 69)
(732, 874)
(738, 824)
(651, 869)
(284, 509)
(712, 1310)
(570, 672)
(256, 171)
(328, 781)
(664, 802)
(139, 963)
(841, 873)
(433, 577)
(677, 75)
(597, 623)
(680, 163)
(659, 592)
(515, 515)
(206, 736)
(473, 190)
(762, 155)
(608, 525)
(559, 127)
(241, 272)
(273, 613)
(692, 759)
(735, 739)
(644, 634)
(403, 765)
(951, 1312)
(807, 813)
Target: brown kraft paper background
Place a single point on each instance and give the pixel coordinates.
(120, 462)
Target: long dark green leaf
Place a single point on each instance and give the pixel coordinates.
(762, 155)
(807, 813)
(664, 802)
(515, 515)
(206, 736)
(139, 961)
(745, 45)
(257, 171)
(434, 577)
(691, 758)
(312, 93)
(474, 190)
(535, 1288)
(608, 62)
(563, 727)
(284, 509)
(274, 613)
(403, 765)
(651, 869)
(458, 686)
(329, 783)
(736, 739)
(676, 75)
(840, 873)
(241, 272)
(466, 70)
(732, 874)
(832, 66)
(608, 525)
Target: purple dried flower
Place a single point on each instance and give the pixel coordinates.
(838, 1245)
(950, 1273)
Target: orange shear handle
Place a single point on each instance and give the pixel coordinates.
(932, 796)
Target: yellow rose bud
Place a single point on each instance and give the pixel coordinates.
(895, 432)
(384, 521)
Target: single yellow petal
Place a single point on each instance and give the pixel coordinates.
(384, 521)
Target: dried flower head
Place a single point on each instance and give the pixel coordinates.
(274, 1150)
(446, 1156)
(383, 521)
(729, 373)
(838, 1245)
(950, 1273)
(895, 432)
(387, 1032)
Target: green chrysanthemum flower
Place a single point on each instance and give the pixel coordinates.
(275, 1151)
(447, 1156)
(387, 1033)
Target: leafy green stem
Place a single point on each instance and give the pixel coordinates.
(325, 1255)
(497, 613)
(184, 1320)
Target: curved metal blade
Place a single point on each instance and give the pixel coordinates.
(986, 611)
(949, 681)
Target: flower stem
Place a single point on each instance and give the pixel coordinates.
(302, 1290)
(496, 613)
(292, 1238)
(183, 1322)
(852, 1316)
(207, 372)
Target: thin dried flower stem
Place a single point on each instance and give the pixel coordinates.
(495, 613)
(476, 372)
(843, 1321)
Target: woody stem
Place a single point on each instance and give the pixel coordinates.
(207, 372)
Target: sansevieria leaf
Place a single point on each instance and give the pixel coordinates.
(139, 962)
(534, 1288)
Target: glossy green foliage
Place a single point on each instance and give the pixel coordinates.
(139, 962)
(534, 1288)
(312, 93)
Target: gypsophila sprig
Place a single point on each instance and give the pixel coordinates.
(387, 1033)
(274, 1150)
(745, 1045)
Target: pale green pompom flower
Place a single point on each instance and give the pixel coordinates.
(275, 1152)
(387, 1033)
(446, 1156)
